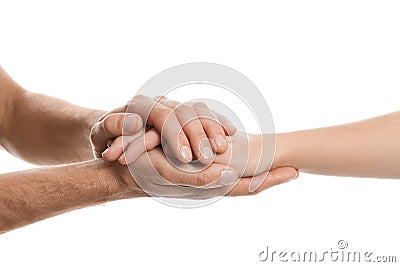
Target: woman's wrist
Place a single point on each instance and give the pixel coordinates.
(285, 150)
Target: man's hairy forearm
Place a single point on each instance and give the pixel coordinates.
(43, 129)
(47, 130)
(6, 101)
(369, 148)
(33, 195)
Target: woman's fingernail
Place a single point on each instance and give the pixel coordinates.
(186, 153)
(228, 177)
(131, 123)
(220, 140)
(206, 152)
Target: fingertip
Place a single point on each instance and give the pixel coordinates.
(220, 144)
(220, 140)
(132, 124)
(222, 149)
(139, 122)
(110, 157)
(114, 151)
(231, 130)
(228, 127)
(285, 174)
(207, 154)
(185, 154)
(228, 176)
(122, 160)
(294, 175)
(105, 155)
(218, 175)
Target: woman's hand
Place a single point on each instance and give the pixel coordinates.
(249, 154)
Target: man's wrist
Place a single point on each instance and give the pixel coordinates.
(113, 181)
(123, 184)
(91, 118)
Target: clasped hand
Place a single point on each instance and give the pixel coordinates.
(227, 161)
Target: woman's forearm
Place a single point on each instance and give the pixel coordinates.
(369, 148)
(43, 129)
(33, 195)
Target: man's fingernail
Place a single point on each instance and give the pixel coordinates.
(131, 123)
(206, 152)
(122, 157)
(186, 153)
(105, 152)
(228, 177)
(220, 140)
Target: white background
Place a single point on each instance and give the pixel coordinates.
(317, 63)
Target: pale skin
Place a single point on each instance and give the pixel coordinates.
(48, 131)
(368, 148)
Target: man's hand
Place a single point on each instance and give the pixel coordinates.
(187, 129)
(157, 177)
(111, 125)
(67, 187)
